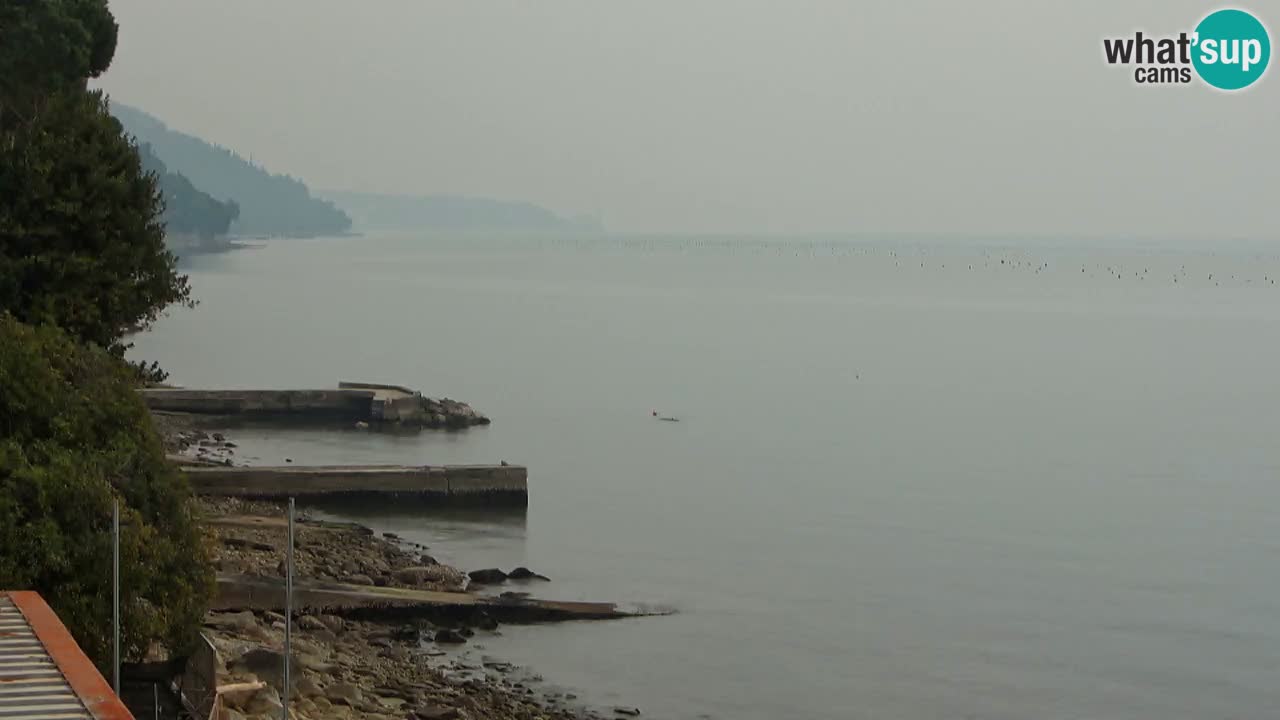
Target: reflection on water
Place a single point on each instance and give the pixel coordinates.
(319, 443)
(372, 508)
(468, 537)
(289, 423)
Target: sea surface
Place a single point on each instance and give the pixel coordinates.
(916, 478)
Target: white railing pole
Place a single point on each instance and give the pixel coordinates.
(288, 617)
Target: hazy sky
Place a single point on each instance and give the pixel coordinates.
(725, 115)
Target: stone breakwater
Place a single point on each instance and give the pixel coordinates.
(450, 413)
(348, 403)
(355, 666)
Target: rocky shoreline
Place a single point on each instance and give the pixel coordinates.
(358, 666)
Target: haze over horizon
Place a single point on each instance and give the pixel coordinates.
(724, 115)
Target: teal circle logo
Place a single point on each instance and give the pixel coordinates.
(1232, 49)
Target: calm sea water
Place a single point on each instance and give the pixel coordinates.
(913, 479)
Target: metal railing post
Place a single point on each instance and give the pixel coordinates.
(288, 617)
(115, 597)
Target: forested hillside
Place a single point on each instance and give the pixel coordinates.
(450, 212)
(188, 211)
(270, 204)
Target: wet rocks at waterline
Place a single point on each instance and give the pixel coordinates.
(494, 576)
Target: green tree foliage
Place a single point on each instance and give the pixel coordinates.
(48, 46)
(82, 256)
(74, 435)
(270, 204)
(188, 210)
(81, 237)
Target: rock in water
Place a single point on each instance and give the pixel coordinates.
(488, 576)
(524, 573)
(450, 414)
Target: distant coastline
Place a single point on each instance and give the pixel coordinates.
(185, 247)
(436, 212)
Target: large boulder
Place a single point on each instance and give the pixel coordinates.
(450, 413)
(310, 622)
(524, 573)
(267, 702)
(344, 693)
(421, 574)
(267, 664)
(488, 576)
(307, 687)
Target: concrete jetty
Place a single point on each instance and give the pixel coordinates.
(246, 592)
(349, 402)
(483, 484)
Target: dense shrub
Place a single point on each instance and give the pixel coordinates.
(75, 435)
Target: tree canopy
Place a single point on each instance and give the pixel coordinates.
(48, 46)
(82, 263)
(81, 236)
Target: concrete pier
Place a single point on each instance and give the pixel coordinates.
(242, 592)
(478, 484)
(349, 402)
(337, 403)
